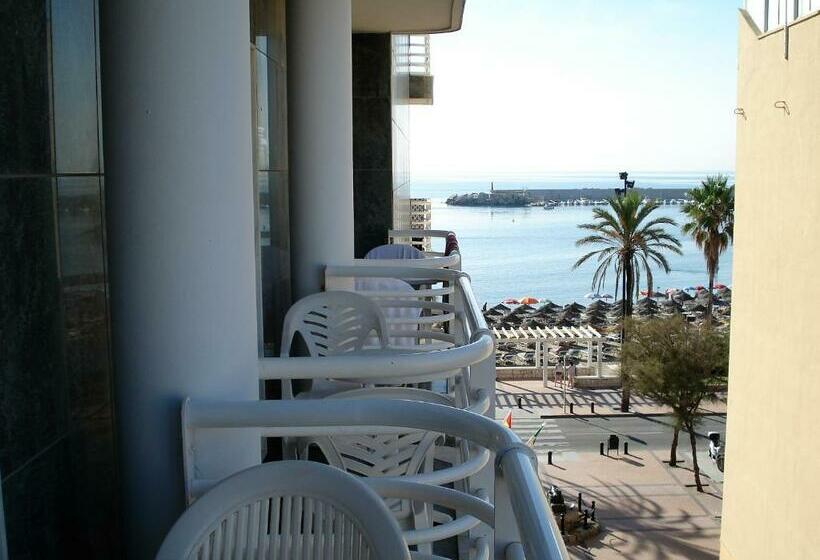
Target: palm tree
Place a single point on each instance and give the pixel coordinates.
(711, 214)
(630, 242)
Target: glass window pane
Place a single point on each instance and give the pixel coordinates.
(75, 86)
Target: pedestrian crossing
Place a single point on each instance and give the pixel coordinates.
(549, 439)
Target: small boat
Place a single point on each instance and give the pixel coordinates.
(550, 205)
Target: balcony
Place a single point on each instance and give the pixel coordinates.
(770, 15)
(473, 490)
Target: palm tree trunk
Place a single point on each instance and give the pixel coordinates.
(673, 453)
(692, 440)
(711, 296)
(629, 286)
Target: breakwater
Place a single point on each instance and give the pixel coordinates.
(585, 196)
(564, 195)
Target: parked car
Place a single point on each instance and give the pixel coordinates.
(717, 449)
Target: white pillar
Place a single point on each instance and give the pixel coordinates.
(600, 357)
(176, 82)
(320, 128)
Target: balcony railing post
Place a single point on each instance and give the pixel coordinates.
(506, 528)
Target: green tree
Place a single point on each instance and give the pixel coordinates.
(631, 241)
(711, 223)
(679, 365)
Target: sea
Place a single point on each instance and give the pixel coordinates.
(517, 252)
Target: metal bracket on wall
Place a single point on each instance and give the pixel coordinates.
(783, 105)
(786, 41)
(740, 112)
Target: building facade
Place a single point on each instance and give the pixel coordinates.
(172, 176)
(772, 461)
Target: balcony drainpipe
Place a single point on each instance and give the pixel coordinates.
(320, 128)
(176, 92)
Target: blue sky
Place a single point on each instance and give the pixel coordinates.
(531, 86)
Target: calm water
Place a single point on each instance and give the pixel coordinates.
(513, 252)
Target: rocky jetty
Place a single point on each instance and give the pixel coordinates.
(506, 199)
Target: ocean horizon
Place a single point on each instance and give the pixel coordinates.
(516, 252)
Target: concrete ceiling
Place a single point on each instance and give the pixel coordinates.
(407, 16)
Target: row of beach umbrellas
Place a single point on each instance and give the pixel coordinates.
(600, 313)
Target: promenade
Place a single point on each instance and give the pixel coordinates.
(647, 509)
(550, 401)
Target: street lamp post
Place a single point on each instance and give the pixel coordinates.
(623, 176)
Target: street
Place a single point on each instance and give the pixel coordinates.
(580, 434)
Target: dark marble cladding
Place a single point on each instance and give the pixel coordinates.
(373, 208)
(62, 504)
(371, 65)
(372, 142)
(79, 211)
(25, 137)
(268, 28)
(33, 407)
(56, 435)
(74, 77)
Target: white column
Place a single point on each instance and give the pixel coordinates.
(176, 82)
(600, 357)
(320, 127)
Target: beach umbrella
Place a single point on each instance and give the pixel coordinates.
(547, 305)
(528, 300)
(646, 311)
(592, 295)
(670, 305)
(720, 286)
(690, 289)
(598, 305)
(694, 307)
(576, 306)
(606, 296)
(511, 301)
(500, 307)
(682, 296)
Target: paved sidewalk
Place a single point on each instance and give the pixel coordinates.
(646, 508)
(549, 401)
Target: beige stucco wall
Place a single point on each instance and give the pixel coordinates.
(771, 506)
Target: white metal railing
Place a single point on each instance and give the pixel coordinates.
(516, 468)
(418, 56)
(426, 238)
(453, 344)
(772, 14)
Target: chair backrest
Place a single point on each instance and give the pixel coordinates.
(394, 251)
(401, 314)
(378, 455)
(288, 509)
(333, 323)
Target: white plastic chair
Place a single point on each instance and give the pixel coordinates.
(287, 510)
(402, 456)
(332, 323)
(394, 251)
(400, 315)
